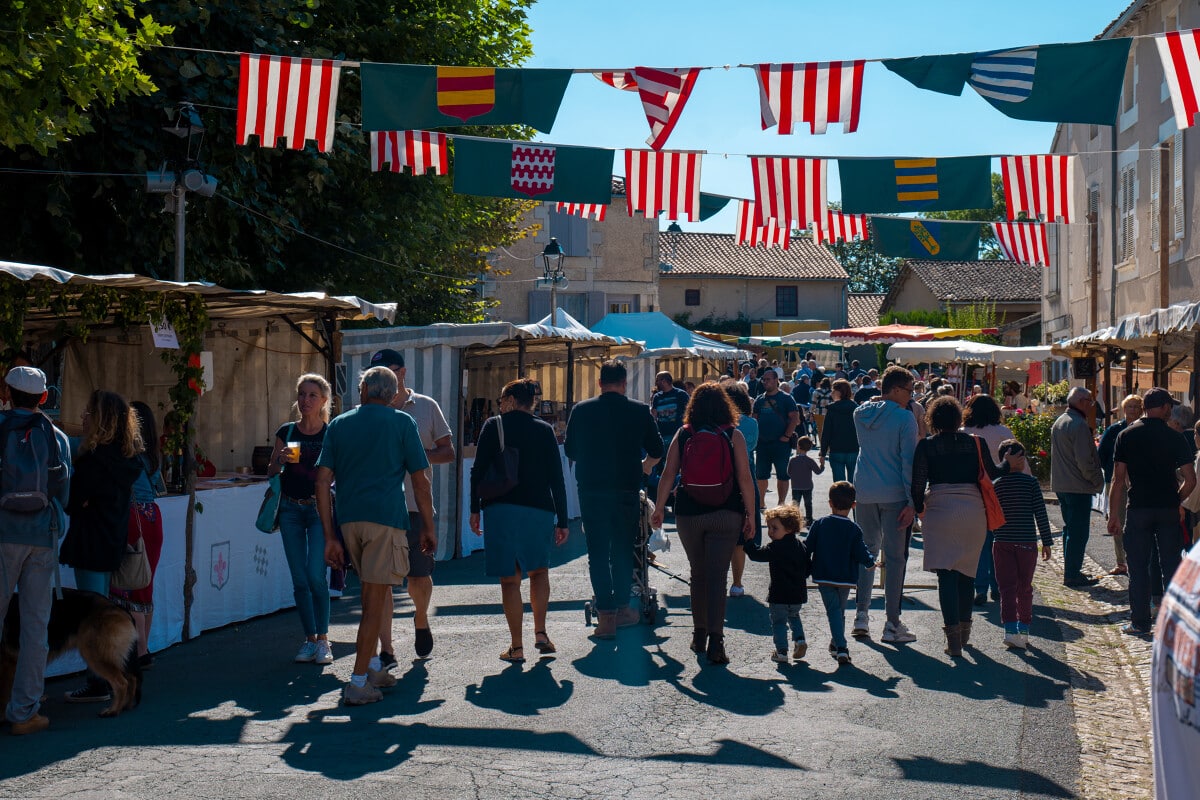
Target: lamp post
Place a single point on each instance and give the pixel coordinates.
(176, 179)
(552, 273)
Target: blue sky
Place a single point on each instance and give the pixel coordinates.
(722, 115)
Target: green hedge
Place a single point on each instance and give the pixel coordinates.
(1033, 431)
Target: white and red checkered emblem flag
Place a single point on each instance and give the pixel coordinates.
(815, 92)
(420, 151)
(532, 168)
(1041, 186)
(667, 182)
(792, 191)
(664, 93)
(287, 97)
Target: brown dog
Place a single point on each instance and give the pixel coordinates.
(102, 631)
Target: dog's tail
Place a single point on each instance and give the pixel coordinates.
(133, 671)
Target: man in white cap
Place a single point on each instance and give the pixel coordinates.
(31, 519)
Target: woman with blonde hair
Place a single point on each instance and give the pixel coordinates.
(297, 446)
(99, 505)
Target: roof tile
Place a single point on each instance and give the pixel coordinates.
(862, 310)
(999, 280)
(717, 254)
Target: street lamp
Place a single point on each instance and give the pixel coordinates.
(186, 176)
(552, 273)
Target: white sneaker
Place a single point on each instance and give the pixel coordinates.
(308, 652)
(779, 656)
(323, 655)
(1013, 641)
(862, 626)
(897, 633)
(359, 696)
(380, 679)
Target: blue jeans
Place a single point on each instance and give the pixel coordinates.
(610, 526)
(304, 546)
(784, 615)
(843, 465)
(881, 531)
(1146, 528)
(90, 581)
(835, 599)
(1077, 520)
(985, 573)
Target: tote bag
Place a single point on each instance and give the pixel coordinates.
(134, 572)
(991, 503)
(268, 512)
(501, 476)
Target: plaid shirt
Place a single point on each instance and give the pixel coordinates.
(821, 398)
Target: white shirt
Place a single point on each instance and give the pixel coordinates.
(431, 424)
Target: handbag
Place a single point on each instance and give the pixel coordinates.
(268, 512)
(991, 502)
(134, 571)
(501, 476)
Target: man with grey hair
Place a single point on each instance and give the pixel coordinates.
(1075, 475)
(369, 451)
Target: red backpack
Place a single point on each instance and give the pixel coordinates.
(706, 465)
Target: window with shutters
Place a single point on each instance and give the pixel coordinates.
(787, 301)
(1155, 199)
(571, 231)
(1127, 222)
(1129, 107)
(691, 297)
(1177, 198)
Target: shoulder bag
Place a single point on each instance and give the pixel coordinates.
(134, 572)
(991, 503)
(268, 512)
(502, 475)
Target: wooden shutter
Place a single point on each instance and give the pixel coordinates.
(1155, 200)
(1177, 200)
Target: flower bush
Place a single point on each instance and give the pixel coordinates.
(1033, 431)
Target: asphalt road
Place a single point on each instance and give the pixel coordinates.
(230, 715)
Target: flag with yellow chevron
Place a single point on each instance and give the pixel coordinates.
(925, 239)
(405, 97)
(897, 185)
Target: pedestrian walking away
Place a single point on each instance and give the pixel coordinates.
(368, 451)
(29, 540)
(297, 446)
(522, 525)
(1131, 407)
(606, 438)
(787, 560)
(1015, 545)
(1075, 476)
(801, 468)
(439, 449)
(748, 426)
(837, 552)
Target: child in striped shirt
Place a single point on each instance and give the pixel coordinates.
(1015, 547)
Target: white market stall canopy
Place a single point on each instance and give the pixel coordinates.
(1169, 328)
(800, 340)
(663, 338)
(222, 304)
(950, 350)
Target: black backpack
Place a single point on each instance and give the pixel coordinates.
(30, 468)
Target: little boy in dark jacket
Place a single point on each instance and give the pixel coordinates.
(835, 550)
(787, 558)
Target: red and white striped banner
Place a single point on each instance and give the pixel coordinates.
(839, 227)
(792, 191)
(1180, 55)
(663, 181)
(815, 92)
(594, 210)
(664, 93)
(1024, 242)
(769, 235)
(618, 80)
(292, 97)
(1041, 186)
(422, 151)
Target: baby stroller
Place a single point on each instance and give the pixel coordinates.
(643, 561)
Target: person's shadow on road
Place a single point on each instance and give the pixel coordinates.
(518, 691)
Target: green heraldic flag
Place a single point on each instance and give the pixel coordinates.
(397, 97)
(532, 170)
(872, 185)
(1047, 83)
(925, 239)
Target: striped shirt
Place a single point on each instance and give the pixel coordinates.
(1021, 498)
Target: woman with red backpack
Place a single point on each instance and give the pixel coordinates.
(711, 516)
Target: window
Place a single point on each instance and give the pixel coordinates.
(1177, 199)
(623, 307)
(1129, 109)
(787, 301)
(571, 232)
(1126, 199)
(691, 297)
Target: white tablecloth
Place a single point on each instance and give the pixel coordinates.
(471, 542)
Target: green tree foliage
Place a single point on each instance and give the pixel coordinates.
(392, 237)
(60, 58)
(989, 248)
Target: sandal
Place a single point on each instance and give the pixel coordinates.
(543, 644)
(513, 655)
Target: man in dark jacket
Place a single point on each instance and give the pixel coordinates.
(1131, 407)
(606, 437)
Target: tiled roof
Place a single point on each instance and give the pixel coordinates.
(716, 254)
(996, 281)
(862, 310)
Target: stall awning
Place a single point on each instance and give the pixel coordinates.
(221, 303)
(950, 350)
(664, 338)
(565, 327)
(800, 340)
(890, 334)
(1138, 330)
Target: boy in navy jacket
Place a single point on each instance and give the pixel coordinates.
(836, 550)
(787, 558)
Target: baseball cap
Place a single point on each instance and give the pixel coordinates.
(387, 358)
(29, 380)
(1157, 398)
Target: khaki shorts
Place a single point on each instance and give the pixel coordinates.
(379, 553)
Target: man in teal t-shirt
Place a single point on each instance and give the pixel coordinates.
(369, 451)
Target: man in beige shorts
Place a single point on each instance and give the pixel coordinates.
(369, 451)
